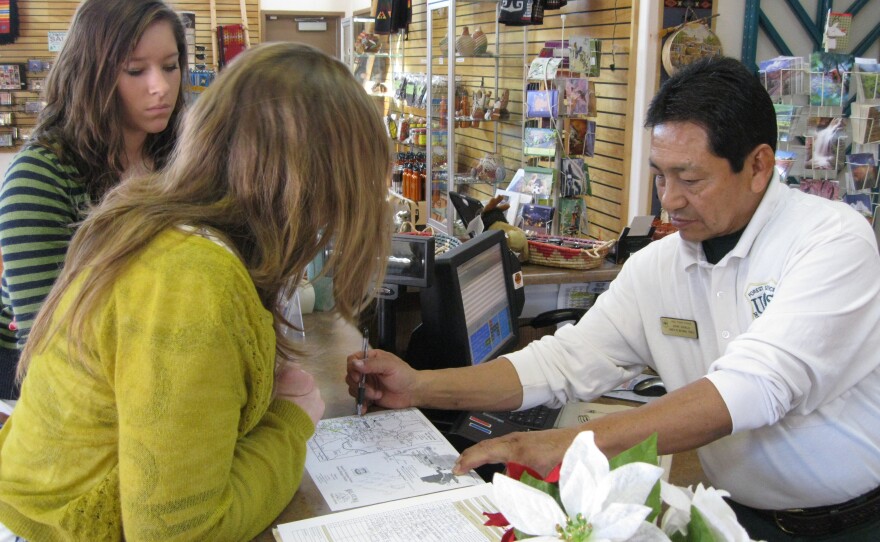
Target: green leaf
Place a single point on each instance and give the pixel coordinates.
(643, 452)
(546, 487)
(698, 530)
(678, 537)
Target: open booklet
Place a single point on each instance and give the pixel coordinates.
(438, 517)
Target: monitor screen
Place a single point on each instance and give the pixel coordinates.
(485, 302)
(467, 315)
(411, 262)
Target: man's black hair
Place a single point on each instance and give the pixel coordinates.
(721, 95)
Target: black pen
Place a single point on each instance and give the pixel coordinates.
(362, 385)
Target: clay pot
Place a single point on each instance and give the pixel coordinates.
(464, 44)
(481, 42)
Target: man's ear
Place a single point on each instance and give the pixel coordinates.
(761, 162)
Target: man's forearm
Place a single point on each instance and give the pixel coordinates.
(683, 420)
(493, 385)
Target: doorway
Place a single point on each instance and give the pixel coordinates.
(319, 31)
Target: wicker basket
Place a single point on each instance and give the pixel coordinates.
(547, 250)
(442, 241)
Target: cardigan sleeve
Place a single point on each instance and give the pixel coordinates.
(204, 451)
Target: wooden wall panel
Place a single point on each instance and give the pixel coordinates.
(607, 20)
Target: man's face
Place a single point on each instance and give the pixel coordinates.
(699, 191)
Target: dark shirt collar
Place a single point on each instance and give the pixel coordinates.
(718, 247)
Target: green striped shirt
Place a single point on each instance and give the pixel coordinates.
(39, 202)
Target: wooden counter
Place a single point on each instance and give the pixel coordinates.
(330, 341)
(541, 274)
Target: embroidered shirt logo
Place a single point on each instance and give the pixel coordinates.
(759, 296)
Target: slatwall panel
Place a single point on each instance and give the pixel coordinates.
(37, 18)
(608, 20)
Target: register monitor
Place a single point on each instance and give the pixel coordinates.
(468, 315)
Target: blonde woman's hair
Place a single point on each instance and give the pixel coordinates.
(283, 153)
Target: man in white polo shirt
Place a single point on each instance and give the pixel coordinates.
(761, 315)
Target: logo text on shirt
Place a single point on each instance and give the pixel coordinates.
(759, 296)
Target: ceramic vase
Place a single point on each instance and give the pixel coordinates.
(481, 42)
(464, 44)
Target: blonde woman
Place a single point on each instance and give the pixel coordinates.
(166, 316)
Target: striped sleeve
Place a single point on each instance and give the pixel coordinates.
(39, 202)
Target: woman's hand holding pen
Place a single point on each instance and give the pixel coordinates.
(297, 386)
(390, 381)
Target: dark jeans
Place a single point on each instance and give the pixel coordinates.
(761, 527)
(8, 363)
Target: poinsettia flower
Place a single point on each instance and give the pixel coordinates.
(716, 513)
(600, 504)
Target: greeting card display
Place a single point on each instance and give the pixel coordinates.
(538, 218)
(581, 137)
(862, 169)
(542, 103)
(829, 78)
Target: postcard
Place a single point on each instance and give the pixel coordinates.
(829, 78)
(784, 162)
(862, 169)
(584, 55)
(579, 97)
(538, 218)
(861, 203)
(780, 75)
(581, 137)
(869, 82)
(539, 183)
(785, 117)
(824, 188)
(575, 178)
(825, 142)
(539, 142)
(516, 200)
(572, 217)
(542, 103)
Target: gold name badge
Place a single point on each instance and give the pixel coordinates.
(679, 328)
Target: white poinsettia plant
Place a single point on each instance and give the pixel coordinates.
(589, 499)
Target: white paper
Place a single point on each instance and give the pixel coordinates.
(580, 295)
(440, 517)
(382, 456)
